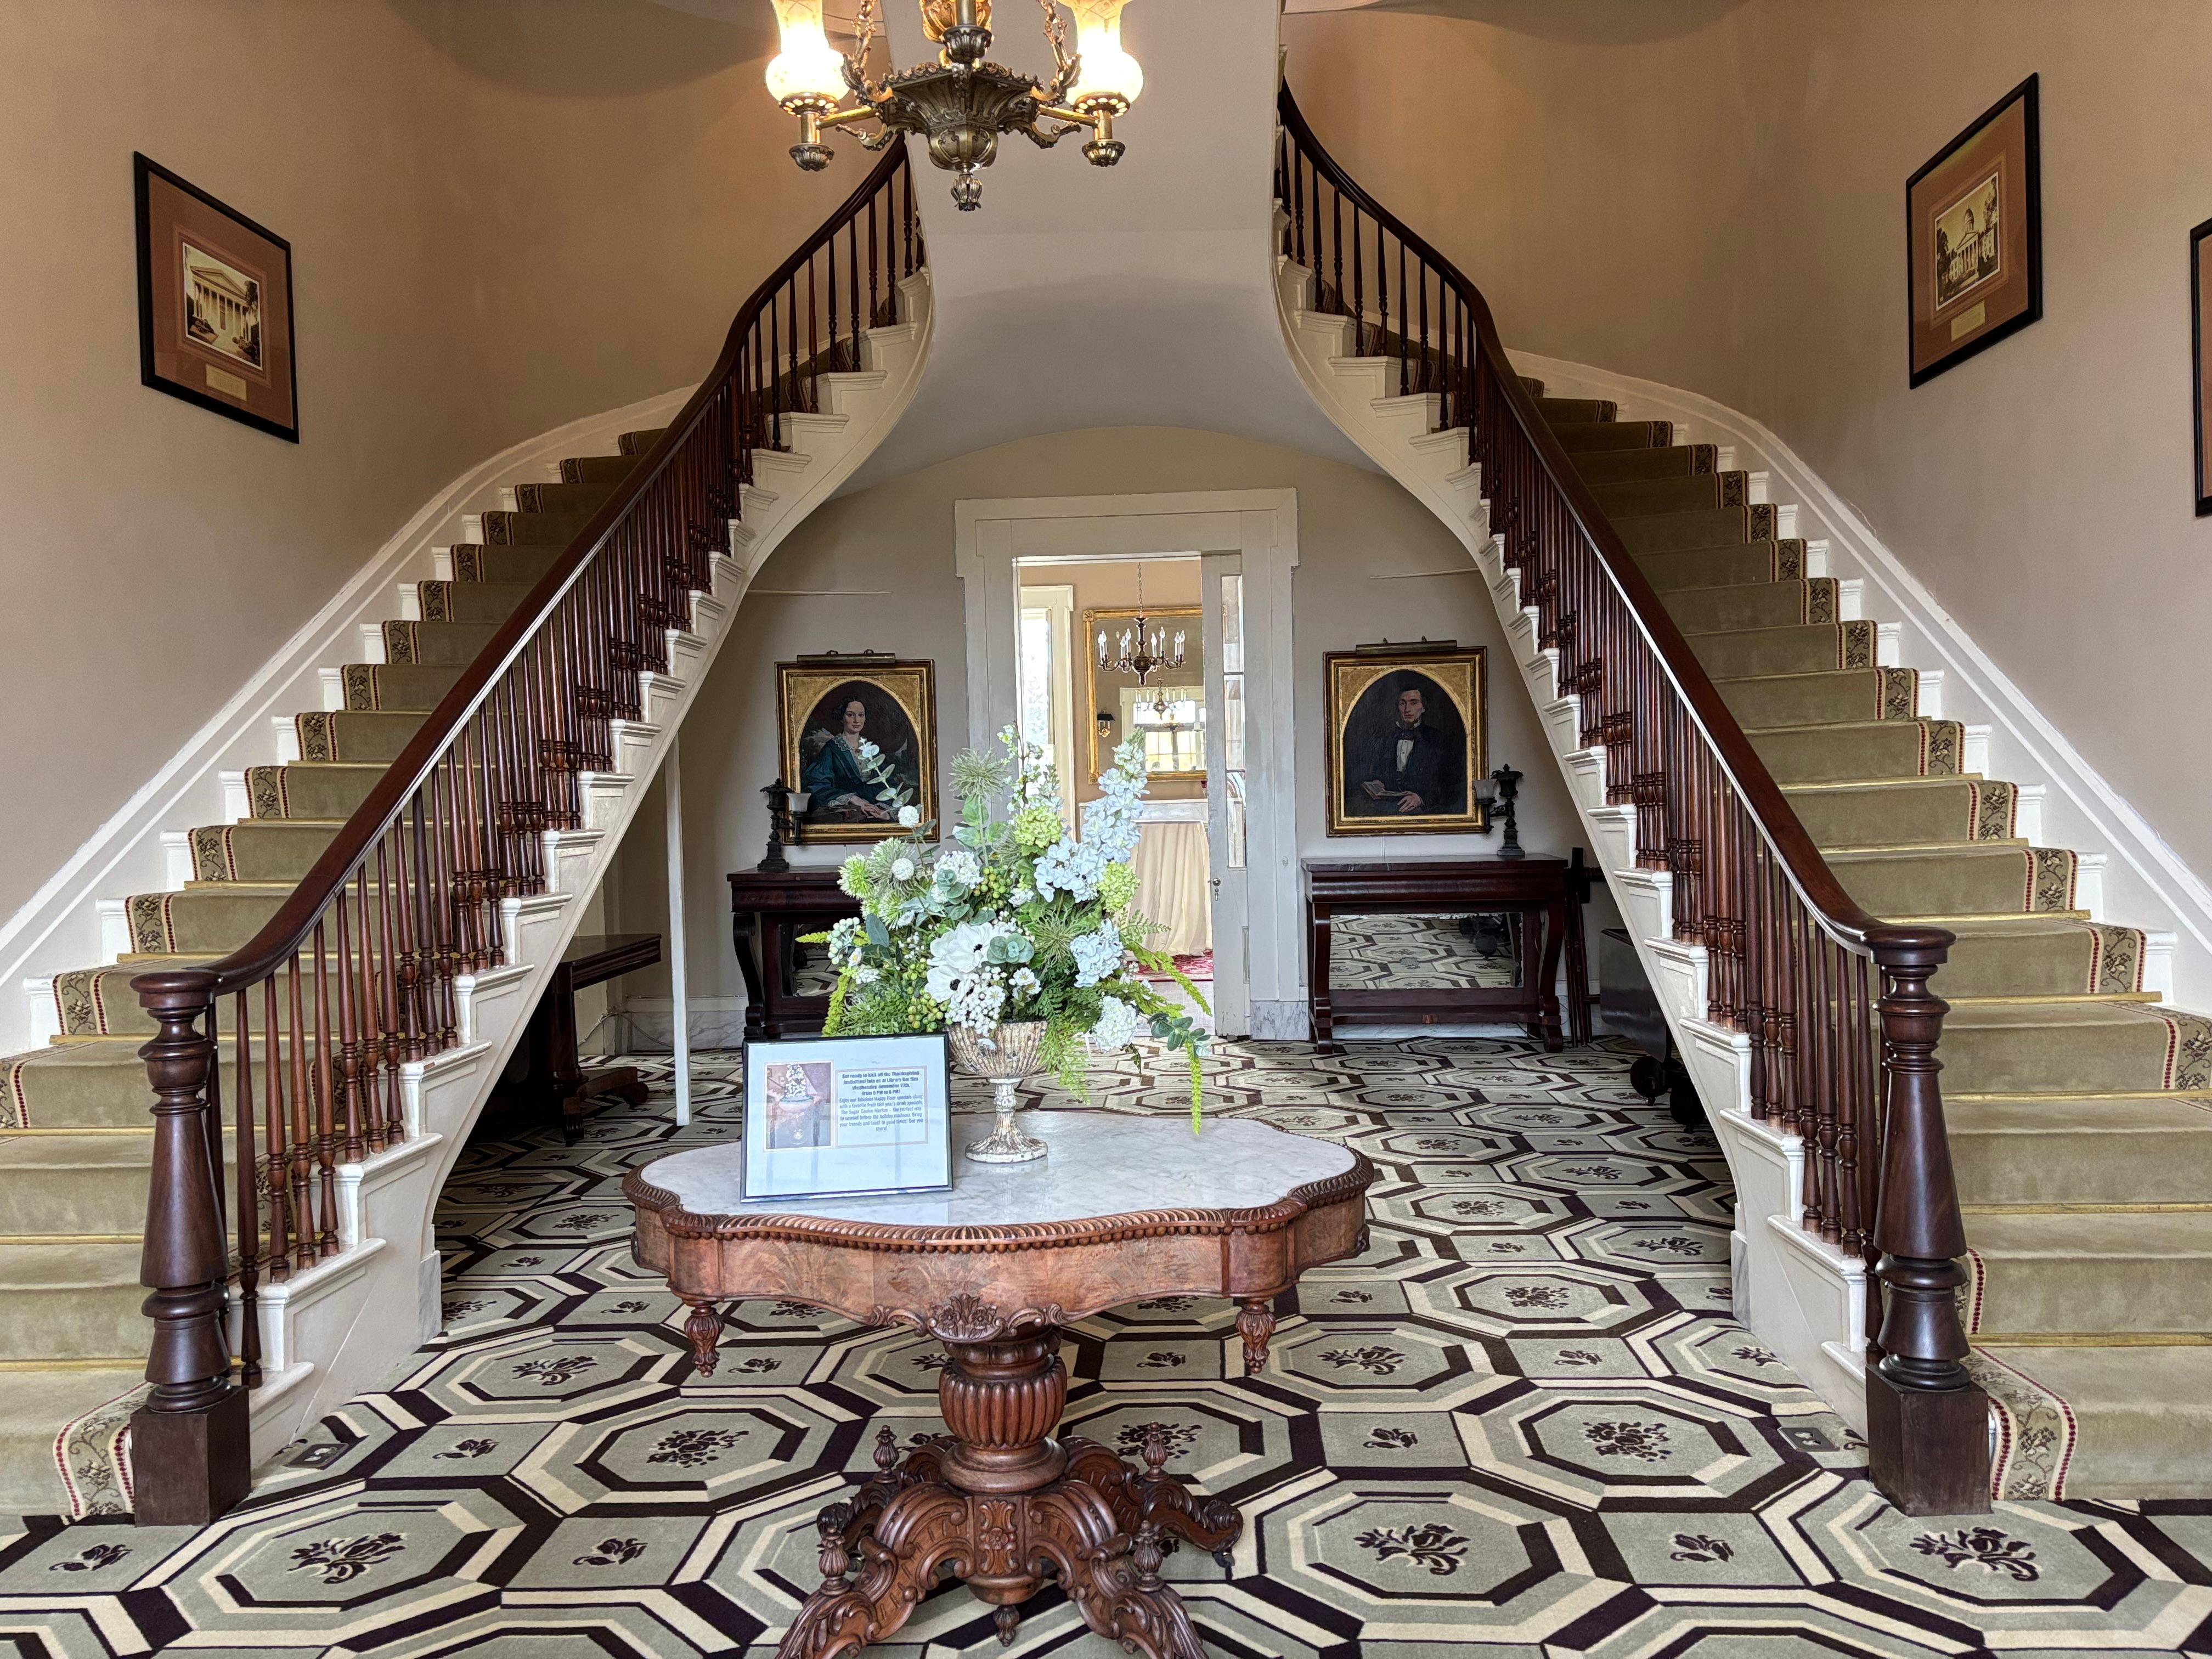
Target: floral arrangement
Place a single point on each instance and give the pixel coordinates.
(1015, 919)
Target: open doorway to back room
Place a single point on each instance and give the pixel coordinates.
(1114, 650)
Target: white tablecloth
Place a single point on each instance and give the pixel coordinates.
(1173, 886)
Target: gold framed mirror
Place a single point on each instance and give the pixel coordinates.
(1169, 708)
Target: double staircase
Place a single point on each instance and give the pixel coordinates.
(2058, 1195)
(368, 934)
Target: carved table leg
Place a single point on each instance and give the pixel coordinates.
(1257, 1324)
(1007, 1504)
(704, 1327)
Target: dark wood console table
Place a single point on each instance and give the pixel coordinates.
(767, 913)
(1543, 895)
(544, 1069)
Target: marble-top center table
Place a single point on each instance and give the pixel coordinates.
(1125, 1207)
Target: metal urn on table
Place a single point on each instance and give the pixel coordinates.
(1003, 1057)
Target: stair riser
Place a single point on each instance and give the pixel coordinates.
(1581, 436)
(1848, 695)
(1676, 532)
(2083, 1294)
(446, 644)
(1894, 749)
(356, 739)
(2072, 964)
(1698, 493)
(1766, 561)
(1964, 810)
(579, 500)
(102, 1004)
(503, 566)
(1817, 648)
(532, 529)
(1574, 411)
(2050, 1060)
(1757, 604)
(258, 851)
(597, 469)
(1998, 882)
(78, 1322)
(408, 686)
(2082, 1166)
(470, 602)
(1610, 467)
(309, 792)
(198, 922)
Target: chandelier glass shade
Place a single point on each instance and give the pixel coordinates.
(960, 103)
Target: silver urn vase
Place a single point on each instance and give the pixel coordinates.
(1002, 1057)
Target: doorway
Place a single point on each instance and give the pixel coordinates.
(1120, 650)
(1219, 840)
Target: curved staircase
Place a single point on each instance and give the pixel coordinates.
(337, 1277)
(2078, 1104)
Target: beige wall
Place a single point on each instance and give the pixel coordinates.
(1721, 208)
(888, 555)
(504, 215)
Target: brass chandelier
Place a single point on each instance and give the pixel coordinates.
(962, 102)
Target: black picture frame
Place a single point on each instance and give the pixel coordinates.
(284, 422)
(2027, 97)
(801, 1050)
(2200, 276)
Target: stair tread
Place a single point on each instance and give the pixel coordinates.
(2071, 1235)
(2122, 1115)
(30, 1155)
(2045, 1015)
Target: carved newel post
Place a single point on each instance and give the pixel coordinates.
(1927, 1423)
(190, 1450)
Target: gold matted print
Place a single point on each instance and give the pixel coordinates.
(1408, 734)
(1974, 237)
(830, 714)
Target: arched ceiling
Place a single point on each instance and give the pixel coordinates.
(1140, 294)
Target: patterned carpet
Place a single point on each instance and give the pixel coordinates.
(1522, 1424)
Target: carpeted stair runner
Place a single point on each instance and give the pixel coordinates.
(2080, 1107)
(76, 1133)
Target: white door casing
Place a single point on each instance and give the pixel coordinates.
(1261, 526)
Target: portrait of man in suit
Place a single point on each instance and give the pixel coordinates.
(1405, 752)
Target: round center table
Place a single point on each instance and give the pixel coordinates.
(1125, 1207)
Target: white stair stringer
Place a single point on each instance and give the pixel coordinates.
(339, 1328)
(1802, 1298)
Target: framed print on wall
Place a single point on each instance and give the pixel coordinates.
(830, 710)
(1974, 237)
(839, 1117)
(1408, 733)
(2200, 302)
(215, 305)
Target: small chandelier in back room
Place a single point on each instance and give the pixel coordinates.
(962, 102)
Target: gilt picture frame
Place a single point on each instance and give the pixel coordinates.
(1408, 735)
(2200, 384)
(1974, 237)
(827, 708)
(215, 305)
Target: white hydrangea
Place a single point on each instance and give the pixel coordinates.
(1096, 955)
(959, 868)
(1119, 1025)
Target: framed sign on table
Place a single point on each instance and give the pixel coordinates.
(215, 305)
(1974, 237)
(840, 1117)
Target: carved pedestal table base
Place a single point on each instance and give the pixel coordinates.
(993, 1270)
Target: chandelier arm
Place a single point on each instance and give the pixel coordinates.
(1074, 117)
(846, 117)
(876, 141)
(1066, 66)
(1045, 140)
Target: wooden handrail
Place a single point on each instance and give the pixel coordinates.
(355, 972)
(1789, 950)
